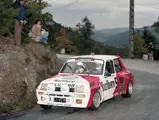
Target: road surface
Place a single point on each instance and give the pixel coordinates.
(143, 105)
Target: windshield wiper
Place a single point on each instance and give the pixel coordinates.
(69, 67)
(85, 69)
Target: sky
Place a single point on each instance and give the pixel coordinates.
(104, 13)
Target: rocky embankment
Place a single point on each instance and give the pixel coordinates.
(21, 70)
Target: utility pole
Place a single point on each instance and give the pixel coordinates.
(131, 30)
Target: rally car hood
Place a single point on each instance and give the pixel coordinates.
(72, 78)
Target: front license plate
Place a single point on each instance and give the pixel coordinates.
(61, 100)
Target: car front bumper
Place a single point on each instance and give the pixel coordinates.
(78, 100)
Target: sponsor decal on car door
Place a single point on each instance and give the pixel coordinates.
(109, 83)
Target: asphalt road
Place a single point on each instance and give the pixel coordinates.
(143, 105)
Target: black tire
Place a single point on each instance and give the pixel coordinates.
(95, 105)
(46, 107)
(128, 91)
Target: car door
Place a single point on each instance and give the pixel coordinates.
(109, 83)
(120, 74)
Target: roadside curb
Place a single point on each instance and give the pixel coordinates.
(12, 115)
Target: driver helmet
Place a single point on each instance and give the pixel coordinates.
(98, 66)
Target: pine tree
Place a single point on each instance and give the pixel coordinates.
(34, 9)
(7, 14)
(85, 31)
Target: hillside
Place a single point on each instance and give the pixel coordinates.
(112, 31)
(117, 37)
(118, 40)
(105, 34)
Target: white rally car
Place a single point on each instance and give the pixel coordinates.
(85, 82)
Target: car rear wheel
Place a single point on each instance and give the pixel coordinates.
(96, 101)
(128, 91)
(46, 106)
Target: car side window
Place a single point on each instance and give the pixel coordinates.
(109, 67)
(117, 64)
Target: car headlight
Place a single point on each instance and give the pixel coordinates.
(50, 87)
(43, 86)
(65, 89)
(79, 88)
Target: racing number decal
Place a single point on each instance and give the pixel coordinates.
(108, 85)
(71, 85)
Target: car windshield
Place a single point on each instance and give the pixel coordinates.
(87, 66)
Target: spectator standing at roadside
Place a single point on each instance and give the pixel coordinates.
(19, 20)
(150, 49)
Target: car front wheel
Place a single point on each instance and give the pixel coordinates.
(96, 101)
(128, 91)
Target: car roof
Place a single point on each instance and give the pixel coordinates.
(103, 57)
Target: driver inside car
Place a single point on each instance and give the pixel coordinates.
(99, 68)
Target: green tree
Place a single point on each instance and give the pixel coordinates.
(7, 14)
(139, 48)
(156, 52)
(85, 31)
(148, 37)
(156, 25)
(34, 8)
